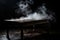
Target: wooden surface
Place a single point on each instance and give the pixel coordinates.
(27, 23)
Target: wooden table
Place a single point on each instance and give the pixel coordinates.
(23, 24)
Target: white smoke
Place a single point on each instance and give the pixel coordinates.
(24, 7)
(40, 14)
(30, 1)
(3, 37)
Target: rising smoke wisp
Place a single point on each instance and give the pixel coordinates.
(39, 14)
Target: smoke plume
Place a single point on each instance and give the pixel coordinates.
(39, 14)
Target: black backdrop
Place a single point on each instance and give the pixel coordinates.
(7, 7)
(7, 10)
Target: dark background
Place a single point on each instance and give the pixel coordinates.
(7, 11)
(7, 7)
